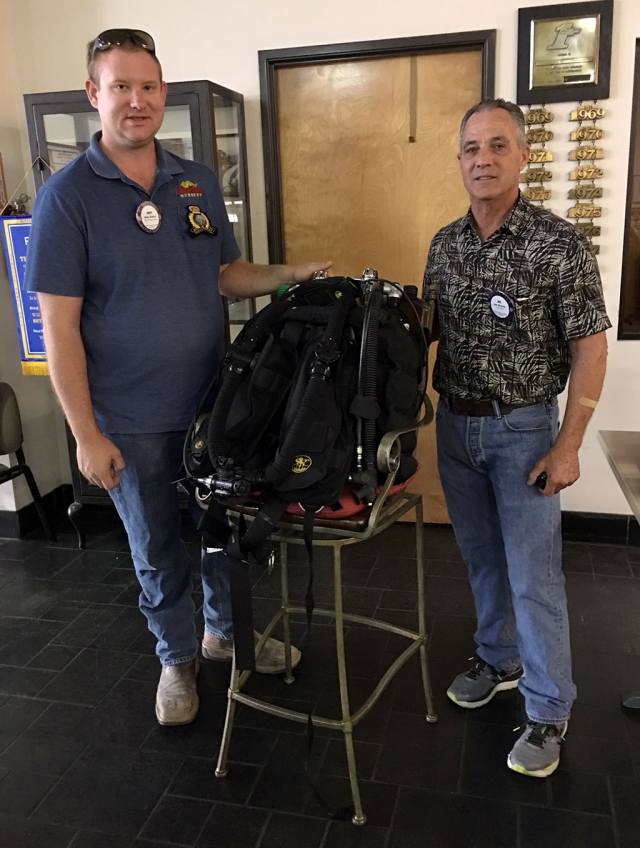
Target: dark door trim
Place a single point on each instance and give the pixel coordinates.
(629, 281)
(272, 60)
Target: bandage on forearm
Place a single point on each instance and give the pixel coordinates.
(585, 401)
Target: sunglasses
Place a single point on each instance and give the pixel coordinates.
(117, 37)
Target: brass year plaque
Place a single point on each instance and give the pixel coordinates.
(535, 175)
(587, 172)
(588, 112)
(538, 136)
(588, 230)
(587, 134)
(537, 193)
(585, 211)
(585, 192)
(536, 156)
(538, 116)
(584, 153)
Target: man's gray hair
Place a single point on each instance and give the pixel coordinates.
(499, 103)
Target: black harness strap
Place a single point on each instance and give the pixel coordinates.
(337, 813)
(309, 600)
(241, 609)
(240, 557)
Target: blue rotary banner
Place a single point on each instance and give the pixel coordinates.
(15, 235)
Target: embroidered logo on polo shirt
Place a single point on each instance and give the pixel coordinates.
(199, 223)
(189, 189)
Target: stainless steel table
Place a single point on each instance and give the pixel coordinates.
(622, 449)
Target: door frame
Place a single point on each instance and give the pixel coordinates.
(273, 60)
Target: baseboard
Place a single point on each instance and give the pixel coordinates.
(17, 525)
(600, 527)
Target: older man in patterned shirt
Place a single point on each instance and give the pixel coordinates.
(520, 308)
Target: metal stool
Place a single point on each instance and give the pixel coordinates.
(338, 534)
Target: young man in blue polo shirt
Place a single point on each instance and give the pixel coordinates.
(129, 273)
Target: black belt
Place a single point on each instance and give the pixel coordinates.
(479, 408)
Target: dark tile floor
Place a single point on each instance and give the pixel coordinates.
(83, 763)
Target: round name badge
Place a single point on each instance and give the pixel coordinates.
(148, 217)
(501, 305)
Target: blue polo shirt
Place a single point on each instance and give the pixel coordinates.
(152, 318)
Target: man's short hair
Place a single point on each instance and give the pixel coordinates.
(93, 57)
(499, 103)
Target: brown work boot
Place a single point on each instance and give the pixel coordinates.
(177, 699)
(270, 660)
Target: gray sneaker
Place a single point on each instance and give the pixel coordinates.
(537, 751)
(476, 687)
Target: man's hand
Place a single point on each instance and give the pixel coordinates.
(302, 273)
(100, 461)
(561, 466)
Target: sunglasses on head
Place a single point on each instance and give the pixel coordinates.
(117, 37)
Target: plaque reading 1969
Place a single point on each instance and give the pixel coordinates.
(564, 52)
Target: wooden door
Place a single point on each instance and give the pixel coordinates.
(369, 173)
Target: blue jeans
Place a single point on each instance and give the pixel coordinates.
(147, 502)
(510, 537)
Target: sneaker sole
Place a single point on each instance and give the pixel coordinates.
(540, 773)
(473, 705)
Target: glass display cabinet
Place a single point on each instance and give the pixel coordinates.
(203, 121)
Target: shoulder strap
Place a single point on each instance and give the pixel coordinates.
(326, 355)
(235, 366)
(238, 552)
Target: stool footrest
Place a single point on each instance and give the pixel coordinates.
(333, 723)
(359, 619)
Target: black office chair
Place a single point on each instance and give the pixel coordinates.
(11, 442)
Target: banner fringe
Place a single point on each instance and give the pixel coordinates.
(35, 369)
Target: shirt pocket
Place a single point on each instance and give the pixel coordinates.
(534, 306)
(199, 229)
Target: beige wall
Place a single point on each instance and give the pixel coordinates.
(42, 423)
(220, 40)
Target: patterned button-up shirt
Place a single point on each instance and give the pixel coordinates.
(508, 306)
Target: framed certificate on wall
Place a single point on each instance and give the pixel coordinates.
(564, 52)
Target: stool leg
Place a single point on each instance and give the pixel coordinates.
(288, 674)
(221, 768)
(358, 816)
(422, 627)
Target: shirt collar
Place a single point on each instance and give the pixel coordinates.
(104, 167)
(514, 223)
